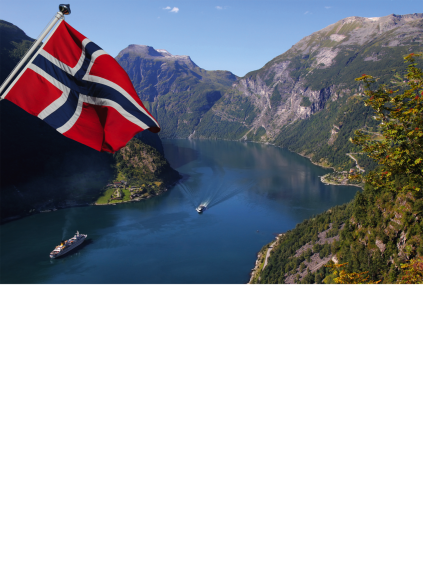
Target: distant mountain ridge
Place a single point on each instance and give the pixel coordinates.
(175, 89)
(149, 52)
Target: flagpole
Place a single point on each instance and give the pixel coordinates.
(63, 10)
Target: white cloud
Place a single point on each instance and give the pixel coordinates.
(328, 7)
(176, 10)
(167, 8)
(219, 7)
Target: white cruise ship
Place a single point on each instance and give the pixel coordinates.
(68, 245)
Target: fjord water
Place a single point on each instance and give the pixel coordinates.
(259, 191)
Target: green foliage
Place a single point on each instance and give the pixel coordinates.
(275, 98)
(311, 136)
(284, 258)
(412, 272)
(260, 132)
(340, 276)
(138, 163)
(305, 102)
(139, 166)
(385, 231)
(397, 147)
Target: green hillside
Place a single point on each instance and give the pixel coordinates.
(140, 172)
(378, 237)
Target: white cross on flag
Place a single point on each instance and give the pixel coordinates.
(82, 92)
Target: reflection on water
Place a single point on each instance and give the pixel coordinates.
(265, 169)
(254, 192)
(179, 156)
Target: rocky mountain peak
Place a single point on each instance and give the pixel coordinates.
(353, 32)
(148, 52)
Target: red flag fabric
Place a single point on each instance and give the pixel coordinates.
(82, 92)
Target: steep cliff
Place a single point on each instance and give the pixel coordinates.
(173, 87)
(306, 99)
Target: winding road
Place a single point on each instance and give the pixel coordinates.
(267, 256)
(356, 162)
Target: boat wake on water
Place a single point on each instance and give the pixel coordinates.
(187, 192)
(211, 194)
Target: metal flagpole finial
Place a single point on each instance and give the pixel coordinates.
(65, 9)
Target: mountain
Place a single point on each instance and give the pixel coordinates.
(14, 43)
(173, 88)
(378, 237)
(306, 99)
(42, 169)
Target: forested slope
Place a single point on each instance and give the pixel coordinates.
(378, 237)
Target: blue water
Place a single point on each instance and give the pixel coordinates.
(258, 190)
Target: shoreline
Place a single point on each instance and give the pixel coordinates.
(289, 150)
(338, 183)
(140, 199)
(36, 211)
(259, 266)
(323, 175)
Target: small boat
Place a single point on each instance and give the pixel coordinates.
(201, 208)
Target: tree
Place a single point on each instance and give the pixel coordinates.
(386, 223)
(398, 144)
(343, 277)
(412, 272)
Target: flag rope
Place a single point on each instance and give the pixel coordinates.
(59, 16)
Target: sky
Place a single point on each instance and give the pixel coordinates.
(236, 35)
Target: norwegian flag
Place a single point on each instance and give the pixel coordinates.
(82, 92)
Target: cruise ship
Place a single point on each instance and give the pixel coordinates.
(68, 245)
